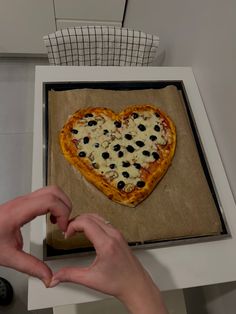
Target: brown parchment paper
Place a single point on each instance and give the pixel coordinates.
(180, 206)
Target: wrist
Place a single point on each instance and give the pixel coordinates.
(144, 298)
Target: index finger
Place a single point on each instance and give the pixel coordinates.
(91, 229)
(55, 190)
(29, 208)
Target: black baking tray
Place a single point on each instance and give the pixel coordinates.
(52, 253)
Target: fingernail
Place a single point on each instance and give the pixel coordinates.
(46, 282)
(54, 283)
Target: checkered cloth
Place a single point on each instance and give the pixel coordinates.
(101, 45)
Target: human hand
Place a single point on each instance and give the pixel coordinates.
(16, 213)
(115, 270)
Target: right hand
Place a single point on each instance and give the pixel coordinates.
(115, 270)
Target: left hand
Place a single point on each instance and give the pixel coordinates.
(16, 213)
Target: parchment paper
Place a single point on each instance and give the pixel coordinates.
(180, 206)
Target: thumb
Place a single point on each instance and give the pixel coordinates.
(30, 265)
(70, 274)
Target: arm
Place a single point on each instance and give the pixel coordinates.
(115, 270)
(14, 214)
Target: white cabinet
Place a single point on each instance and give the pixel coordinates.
(89, 12)
(23, 23)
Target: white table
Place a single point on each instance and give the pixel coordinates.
(174, 267)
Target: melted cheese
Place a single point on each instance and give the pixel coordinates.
(104, 136)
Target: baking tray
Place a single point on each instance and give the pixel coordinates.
(52, 253)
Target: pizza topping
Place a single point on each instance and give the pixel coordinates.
(157, 128)
(100, 119)
(75, 141)
(91, 156)
(86, 140)
(139, 143)
(111, 175)
(92, 122)
(141, 127)
(130, 149)
(116, 147)
(88, 115)
(125, 164)
(137, 166)
(120, 154)
(100, 140)
(129, 187)
(153, 138)
(155, 155)
(74, 131)
(135, 115)
(117, 124)
(82, 154)
(121, 185)
(146, 153)
(128, 136)
(105, 144)
(95, 165)
(125, 174)
(105, 155)
(140, 184)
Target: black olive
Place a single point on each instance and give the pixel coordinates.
(128, 136)
(112, 166)
(105, 132)
(121, 185)
(92, 122)
(155, 155)
(146, 153)
(125, 174)
(157, 128)
(137, 165)
(105, 155)
(96, 145)
(157, 115)
(120, 154)
(117, 124)
(140, 143)
(88, 115)
(153, 137)
(135, 115)
(130, 149)
(116, 147)
(86, 140)
(74, 131)
(141, 127)
(140, 184)
(125, 164)
(82, 154)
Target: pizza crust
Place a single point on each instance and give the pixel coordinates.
(151, 175)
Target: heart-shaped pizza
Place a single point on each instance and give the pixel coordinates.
(124, 155)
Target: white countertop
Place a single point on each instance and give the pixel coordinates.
(173, 267)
